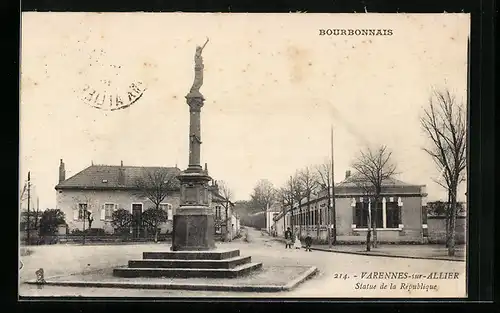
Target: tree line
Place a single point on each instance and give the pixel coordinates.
(443, 122)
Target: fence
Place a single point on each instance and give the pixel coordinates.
(71, 238)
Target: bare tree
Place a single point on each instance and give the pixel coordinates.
(227, 194)
(373, 167)
(33, 218)
(86, 205)
(444, 123)
(299, 193)
(263, 194)
(156, 184)
(309, 181)
(324, 178)
(285, 196)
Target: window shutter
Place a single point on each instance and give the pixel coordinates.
(103, 212)
(75, 214)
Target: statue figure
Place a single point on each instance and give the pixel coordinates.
(198, 69)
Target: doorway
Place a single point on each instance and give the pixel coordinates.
(137, 229)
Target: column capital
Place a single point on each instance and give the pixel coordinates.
(195, 102)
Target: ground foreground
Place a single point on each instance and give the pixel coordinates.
(340, 274)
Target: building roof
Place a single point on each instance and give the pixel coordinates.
(107, 177)
(353, 181)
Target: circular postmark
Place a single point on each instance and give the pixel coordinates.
(109, 86)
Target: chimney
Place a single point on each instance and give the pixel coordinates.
(62, 172)
(347, 174)
(121, 175)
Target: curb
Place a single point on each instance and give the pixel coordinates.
(388, 255)
(193, 287)
(380, 254)
(176, 286)
(307, 275)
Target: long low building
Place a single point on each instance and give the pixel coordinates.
(398, 217)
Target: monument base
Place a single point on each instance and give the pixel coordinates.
(193, 232)
(185, 264)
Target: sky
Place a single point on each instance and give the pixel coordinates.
(273, 86)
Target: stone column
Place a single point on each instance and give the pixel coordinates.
(193, 224)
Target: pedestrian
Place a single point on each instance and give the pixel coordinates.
(288, 238)
(297, 244)
(308, 242)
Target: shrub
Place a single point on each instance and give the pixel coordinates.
(95, 232)
(50, 221)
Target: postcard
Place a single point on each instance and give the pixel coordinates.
(243, 155)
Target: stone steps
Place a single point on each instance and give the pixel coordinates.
(186, 264)
(237, 271)
(192, 255)
(194, 263)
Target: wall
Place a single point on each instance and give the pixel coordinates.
(411, 218)
(344, 216)
(436, 226)
(67, 201)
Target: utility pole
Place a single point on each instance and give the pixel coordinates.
(334, 215)
(228, 235)
(28, 217)
(37, 215)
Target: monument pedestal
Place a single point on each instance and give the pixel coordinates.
(194, 231)
(193, 224)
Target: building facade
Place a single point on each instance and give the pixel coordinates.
(104, 189)
(398, 216)
(226, 221)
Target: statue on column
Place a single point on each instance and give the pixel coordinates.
(198, 70)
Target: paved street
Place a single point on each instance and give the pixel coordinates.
(336, 277)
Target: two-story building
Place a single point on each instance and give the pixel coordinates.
(398, 215)
(104, 189)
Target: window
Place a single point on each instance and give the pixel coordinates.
(218, 215)
(362, 214)
(361, 217)
(82, 207)
(393, 215)
(169, 209)
(217, 220)
(108, 210)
